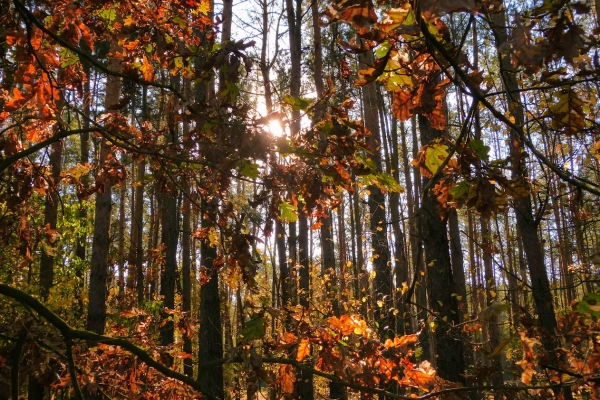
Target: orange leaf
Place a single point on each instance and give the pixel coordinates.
(17, 101)
(131, 45)
(289, 338)
(335, 323)
(286, 379)
(401, 341)
(347, 325)
(403, 106)
(303, 349)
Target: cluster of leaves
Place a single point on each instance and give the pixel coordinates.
(416, 60)
(578, 351)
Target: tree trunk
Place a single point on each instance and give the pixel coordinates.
(526, 223)
(50, 219)
(210, 332)
(101, 243)
(378, 225)
(440, 280)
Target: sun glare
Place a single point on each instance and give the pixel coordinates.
(275, 128)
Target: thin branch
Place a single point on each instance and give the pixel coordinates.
(8, 161)
(72, 370)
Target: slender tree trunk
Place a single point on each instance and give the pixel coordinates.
(377, 222)
(526, 223)
(82, 214)
(361, 274)
(400, 258)
(50, 220)
(210, 332)
(101, 243)
(121, 241)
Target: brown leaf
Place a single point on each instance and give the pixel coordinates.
(286, 379)
(403, 106)
(433, 9)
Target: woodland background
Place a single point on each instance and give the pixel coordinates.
(349, 200)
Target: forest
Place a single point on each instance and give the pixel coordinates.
(290, 199)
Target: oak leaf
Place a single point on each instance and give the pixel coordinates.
(303, 349)
(286, 379)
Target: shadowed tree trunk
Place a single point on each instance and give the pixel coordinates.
(210, 332)
(527, 225)
(440, 280)
(101, 243)
(380, 252)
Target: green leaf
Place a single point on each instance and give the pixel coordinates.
(480, 149)
(498, 349)
(590, 304)
(67, 58)
(288, 211)
(435, 155)
(383, 181)
(298, 103)
(254, 329)
(460, 190)
(250, 170)
(383, 49)
(179, 21)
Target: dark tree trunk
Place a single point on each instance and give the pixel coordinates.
(101, 244)
(440, 280)
(50, 219)
(377, 222)
(210, 332)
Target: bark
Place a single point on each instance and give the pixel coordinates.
(440, 280)
(101, 243)
(186, 250)
(210, 332)
(400, 258)
(121, 240)
(84, 150)
(304, 382)
(50, 219)
(377, 222)
(360, 269)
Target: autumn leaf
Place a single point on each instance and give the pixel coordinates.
(480, 149)
(567, 114)
(435, 155)
(433, 9)
(403, 106)
(16, 102)
(303, 349)
(289, 338)
(298, 103)
(473, 327)
(401, 341)
(395, 17)
(372, 73)
(590, 304)
(286, 379)
(288, 211)
(361, 16)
